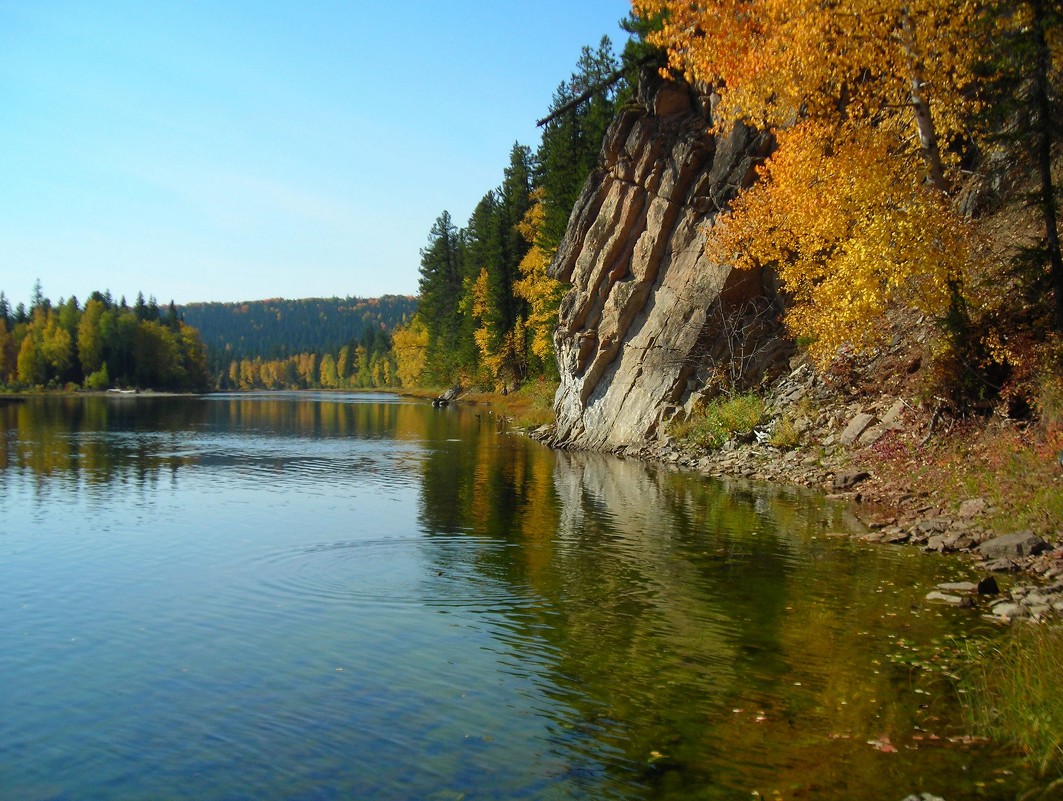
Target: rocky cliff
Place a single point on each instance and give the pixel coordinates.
(649, 322)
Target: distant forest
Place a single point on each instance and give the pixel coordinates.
(313, 342)
(100, 345)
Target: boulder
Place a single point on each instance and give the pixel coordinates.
(1001, 566)
(849, 479)
(860, 423)
(935, 595)
(971, 508)
(894, 417)
(1021, 543)
(988, 586)
(1010, 610)
(958, 586)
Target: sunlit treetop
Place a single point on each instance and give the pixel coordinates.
(851, 211)
(772, 61)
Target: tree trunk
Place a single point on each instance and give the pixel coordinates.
(1043, 153)
(924, 121)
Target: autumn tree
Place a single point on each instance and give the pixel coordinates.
(851, 231)
(90, 338)
(329, 378)
(540, 292)
(861, 92)
(56, 347)
(8, 354)
(410, 346)
(492, 256)
(30, 365)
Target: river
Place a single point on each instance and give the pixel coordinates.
(357, 596)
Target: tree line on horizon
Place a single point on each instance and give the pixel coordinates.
(363, 363)
(104, 344)
(308, 343)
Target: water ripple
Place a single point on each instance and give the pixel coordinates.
(445, 572)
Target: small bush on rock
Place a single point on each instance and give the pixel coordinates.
(720, 419)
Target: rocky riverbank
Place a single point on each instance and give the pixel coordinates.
(847, 446)
(650, 330)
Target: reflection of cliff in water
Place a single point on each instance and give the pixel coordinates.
(650, 605)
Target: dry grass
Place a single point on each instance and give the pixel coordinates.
(530, 406)
(1013, 466)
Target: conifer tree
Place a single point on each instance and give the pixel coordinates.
(441, 289)
(572, 141)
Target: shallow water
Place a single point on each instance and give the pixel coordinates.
(362, 597)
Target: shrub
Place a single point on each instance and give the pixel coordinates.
(784, 435)
(98, 379)
(714, 424)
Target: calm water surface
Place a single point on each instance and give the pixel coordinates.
(362, 597)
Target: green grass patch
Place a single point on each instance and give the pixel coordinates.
(1013, 693)
(711, 426)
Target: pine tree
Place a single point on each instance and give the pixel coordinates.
(572, 141)
(441, 288)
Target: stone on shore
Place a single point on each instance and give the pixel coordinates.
(849, 479)
(1020, 543)
(860, 423)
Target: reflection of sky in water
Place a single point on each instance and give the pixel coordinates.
(277, 598)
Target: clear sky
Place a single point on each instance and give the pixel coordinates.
(236, 150)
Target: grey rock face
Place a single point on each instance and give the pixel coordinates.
(648, 318)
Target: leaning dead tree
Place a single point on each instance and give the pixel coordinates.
(599, 86)
(582, 97)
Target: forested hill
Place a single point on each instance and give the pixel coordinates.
(278, 328)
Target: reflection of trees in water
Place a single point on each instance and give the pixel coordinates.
(664, 601)
(295, 415)
(92, 442)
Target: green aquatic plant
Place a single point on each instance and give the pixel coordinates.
(1013, 694)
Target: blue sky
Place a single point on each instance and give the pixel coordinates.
(244, 150)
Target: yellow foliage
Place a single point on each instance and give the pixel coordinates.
(851, 229)
(542, 292)
(771, 60)
(410, 345)
(858, 92)
(498, 354)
